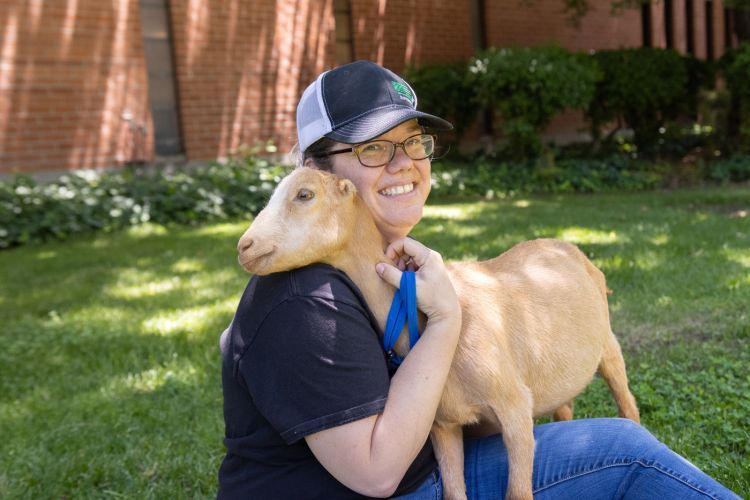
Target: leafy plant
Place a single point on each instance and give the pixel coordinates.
(88, 200)
(735, 66)
(490, 178)
(642, 88)
(733, 169)
(444, 90)
(526, 87)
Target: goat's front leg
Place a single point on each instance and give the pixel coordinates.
(449, 450)
(514, 410)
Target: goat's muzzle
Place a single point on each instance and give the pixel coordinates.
(244, 244)
(252, 256)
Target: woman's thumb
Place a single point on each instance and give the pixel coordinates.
(389, 273)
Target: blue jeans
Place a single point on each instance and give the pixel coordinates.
(602, 458)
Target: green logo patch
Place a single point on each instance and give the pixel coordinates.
(403, 91)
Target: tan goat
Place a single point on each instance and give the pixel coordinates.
(535, 322)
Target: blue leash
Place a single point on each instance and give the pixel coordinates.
(403, 309)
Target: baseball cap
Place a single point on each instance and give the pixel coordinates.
(357, 102)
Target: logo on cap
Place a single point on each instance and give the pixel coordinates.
(403, 91)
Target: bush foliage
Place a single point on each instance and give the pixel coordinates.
(646, 90)
(444, 90)
(642, 88)
(489, 178)
(526, 87)
(89, 200)
(735, 66)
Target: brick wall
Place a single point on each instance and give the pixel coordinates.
(241, 67)
(540, 22)
(73, 90)
(397, 33)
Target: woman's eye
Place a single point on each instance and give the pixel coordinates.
(372, 148)
(305, 195)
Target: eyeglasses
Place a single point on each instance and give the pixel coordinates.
(378, 153)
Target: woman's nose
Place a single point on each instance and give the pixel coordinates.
(400, 161)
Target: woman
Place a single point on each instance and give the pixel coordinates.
(312, 407)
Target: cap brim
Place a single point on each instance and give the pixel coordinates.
(381, 121)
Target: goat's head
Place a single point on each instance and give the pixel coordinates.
(308, 218)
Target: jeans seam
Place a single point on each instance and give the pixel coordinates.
(655, 465)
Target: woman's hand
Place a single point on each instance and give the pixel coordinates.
(436, 297)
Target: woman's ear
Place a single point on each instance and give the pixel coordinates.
(310, 163)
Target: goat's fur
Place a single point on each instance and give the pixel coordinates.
(535, 322)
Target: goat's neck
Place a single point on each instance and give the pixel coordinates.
(358, 257)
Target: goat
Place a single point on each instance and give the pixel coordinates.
(535, 323)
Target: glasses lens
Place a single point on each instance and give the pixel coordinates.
(375, 153)
(420, 146)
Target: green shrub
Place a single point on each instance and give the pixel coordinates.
(733, 169)
(642, 88)
(88, 200)
(735, 66)
(526, 87)
(444, 90)
(488, 178)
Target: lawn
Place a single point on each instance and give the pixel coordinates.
(109, 367)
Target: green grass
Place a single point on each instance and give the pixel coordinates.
(109, 366)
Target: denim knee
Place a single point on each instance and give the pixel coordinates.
(632, 439)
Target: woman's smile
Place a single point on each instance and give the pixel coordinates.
(398, 190)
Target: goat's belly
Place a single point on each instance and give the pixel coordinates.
(457, 406)
(553, 389)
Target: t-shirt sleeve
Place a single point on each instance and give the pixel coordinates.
(315, 364)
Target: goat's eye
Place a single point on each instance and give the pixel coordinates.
(305, 195)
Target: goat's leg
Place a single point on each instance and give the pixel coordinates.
(612, 369)
(565, 412)
(514, 411)
(449, 450)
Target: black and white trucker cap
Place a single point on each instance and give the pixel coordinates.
(356, 102)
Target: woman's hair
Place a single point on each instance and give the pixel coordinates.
(314, 153)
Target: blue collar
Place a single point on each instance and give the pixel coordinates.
(403, 309)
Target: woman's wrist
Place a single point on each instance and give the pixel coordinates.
(448, 322)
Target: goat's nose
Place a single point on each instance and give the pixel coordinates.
(244, 244)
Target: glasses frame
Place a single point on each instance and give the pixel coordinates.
(356, 149)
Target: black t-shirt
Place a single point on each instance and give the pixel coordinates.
(301, 355)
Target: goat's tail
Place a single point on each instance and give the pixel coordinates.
(596, 274)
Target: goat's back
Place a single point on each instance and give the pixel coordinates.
(536, 314)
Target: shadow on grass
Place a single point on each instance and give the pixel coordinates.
(91, 311)
(159, 439)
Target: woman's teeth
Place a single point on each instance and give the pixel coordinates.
(396, 190)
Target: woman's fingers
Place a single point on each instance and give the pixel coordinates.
(435, 294)
(389, 273)
(405, 249)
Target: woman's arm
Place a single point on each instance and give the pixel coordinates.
(371, 455)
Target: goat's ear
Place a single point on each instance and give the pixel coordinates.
(346, 187)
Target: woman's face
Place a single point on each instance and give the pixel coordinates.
(395, 193)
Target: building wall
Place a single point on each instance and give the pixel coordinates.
(398, 33)
(73, 89)
(542, 21)
(241, 67)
